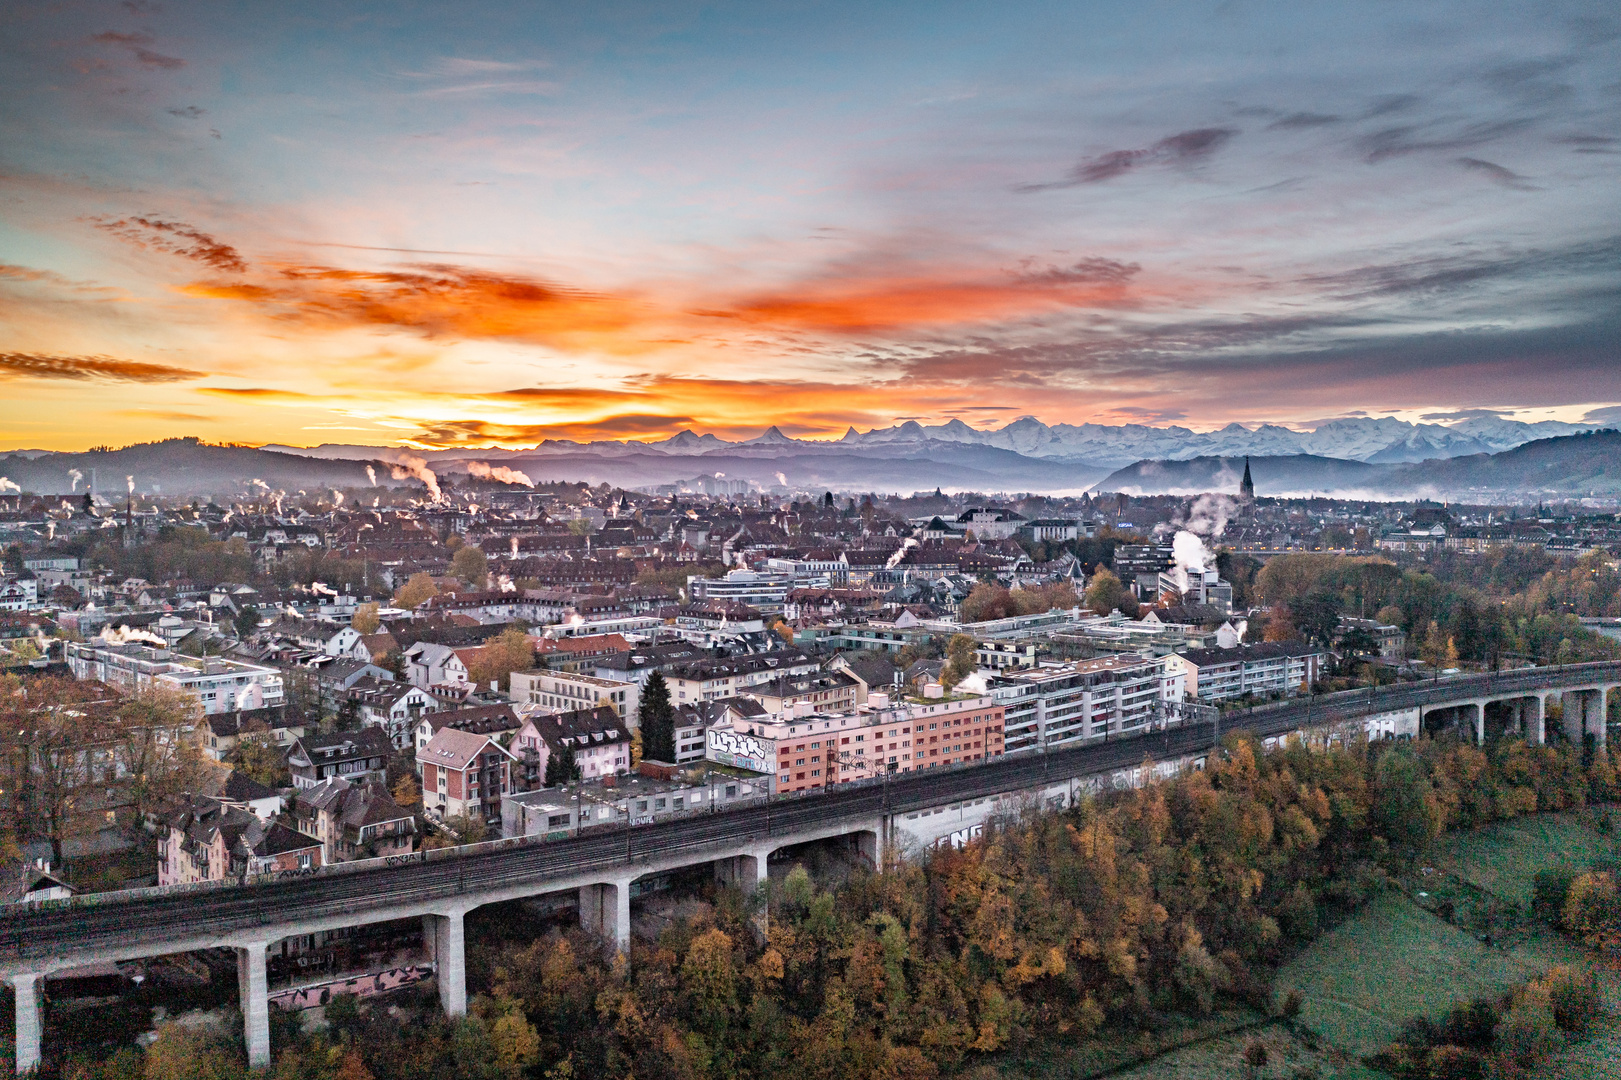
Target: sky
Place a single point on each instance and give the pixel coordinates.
(495, 223)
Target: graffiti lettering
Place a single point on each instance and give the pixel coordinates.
(311, 997)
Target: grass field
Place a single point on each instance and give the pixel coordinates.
(1597, 1057)
(1503, 858)
(1393, 961)
(1288, 1057)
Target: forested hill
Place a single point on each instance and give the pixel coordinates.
(1570, 465)
(182, 467)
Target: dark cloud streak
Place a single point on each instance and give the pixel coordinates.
(1183, 148)
(16, 365)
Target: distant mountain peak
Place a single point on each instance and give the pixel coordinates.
(772, 436)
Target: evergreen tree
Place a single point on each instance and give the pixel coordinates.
(561, 768)
(658, 720)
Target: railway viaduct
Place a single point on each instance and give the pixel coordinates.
(440, 887)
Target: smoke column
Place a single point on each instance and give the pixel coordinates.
(409, 465)
(498, 472)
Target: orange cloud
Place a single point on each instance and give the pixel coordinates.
(918, 301)
(445, 302)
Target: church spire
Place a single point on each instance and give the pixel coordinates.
(1246, 487)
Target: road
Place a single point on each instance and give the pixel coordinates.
(30, 931)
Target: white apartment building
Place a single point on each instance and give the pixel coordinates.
(564, 691)
(764, 591)
(218, 685)
(1270, 668)
(1064, 704)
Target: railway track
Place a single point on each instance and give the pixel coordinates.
(108, 921)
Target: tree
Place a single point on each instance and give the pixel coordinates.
(561, 768)
(986, 602)
(470, 565)
(509, 651)
(962, 661)
(657, 720)
(185, 1053)
(1317, 615)
(407, 792)
(1593, 910)
(1105, 593)
(418, 589)
(246, 621)
(1434, 650)
(257, 757)
(365, 619)
(1404, 809)
(61, 748)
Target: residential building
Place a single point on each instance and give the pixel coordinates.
(497, 720)
(989, 523)
(223, 730)
(598, 738)
(354, 820)
(428, 664)
(349, 754)
(464, 774)
(823, 692)
(235, 788)
(1061, 704)
(562, 690)
(699, 680)
(211, 840)
(693, 719)
(1265, 670)
(557, 812)
(803, 750)
(871, 671)
(394, 707)
(1391, 640)
(217, 685)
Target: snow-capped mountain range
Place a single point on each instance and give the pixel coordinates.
(1355, 439)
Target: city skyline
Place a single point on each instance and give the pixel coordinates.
(497, 225)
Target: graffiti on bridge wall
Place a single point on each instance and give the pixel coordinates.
(310, 997)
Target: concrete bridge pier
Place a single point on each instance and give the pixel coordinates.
(605, 911)
(1532, 713)
(870, 846)
(747, 872)
(30, 992)
(1475, 712)
(253, 991)
(444, 936)
(1584, 715)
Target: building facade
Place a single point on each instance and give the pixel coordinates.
(1064, 704)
